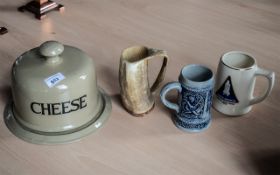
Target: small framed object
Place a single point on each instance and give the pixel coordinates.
(41, 7)
(3, 30)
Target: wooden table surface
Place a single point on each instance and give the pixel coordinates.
(191, 31)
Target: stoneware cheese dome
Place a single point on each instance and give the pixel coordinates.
(55, 95)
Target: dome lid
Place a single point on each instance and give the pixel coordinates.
(51, 62)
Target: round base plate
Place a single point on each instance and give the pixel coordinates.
(36, 138)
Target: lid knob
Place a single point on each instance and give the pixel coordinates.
(51, 49)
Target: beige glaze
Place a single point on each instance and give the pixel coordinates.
(136, 93)
(55, 90)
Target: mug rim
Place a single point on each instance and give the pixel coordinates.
(238, 52)
(184, 79)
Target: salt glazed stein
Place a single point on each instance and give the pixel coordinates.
(195, 86)
(136, 93)
(55, 95)
(236, 77)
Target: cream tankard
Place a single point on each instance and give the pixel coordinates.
(136, 94)
(235, 83)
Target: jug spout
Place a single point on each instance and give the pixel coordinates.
(134, 54)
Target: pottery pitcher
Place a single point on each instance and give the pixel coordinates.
(136, 93)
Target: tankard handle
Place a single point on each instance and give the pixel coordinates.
(168, 87)
(161, 54)
(271, 78)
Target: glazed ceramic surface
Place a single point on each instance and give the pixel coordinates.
(55, 92)
(136, 93)
(195, 88)
(234, 89)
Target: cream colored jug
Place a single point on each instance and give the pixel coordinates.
(136, 93)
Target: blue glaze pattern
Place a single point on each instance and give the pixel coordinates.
(195, 88)
(195, 104)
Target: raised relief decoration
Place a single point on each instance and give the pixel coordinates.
(193, 104)
(226, 93)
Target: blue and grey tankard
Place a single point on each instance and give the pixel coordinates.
(195, 86)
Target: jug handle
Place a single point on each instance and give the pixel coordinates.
(162, 54)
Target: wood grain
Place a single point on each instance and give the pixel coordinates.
(191, 31)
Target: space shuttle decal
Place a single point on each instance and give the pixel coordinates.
(226, 93)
